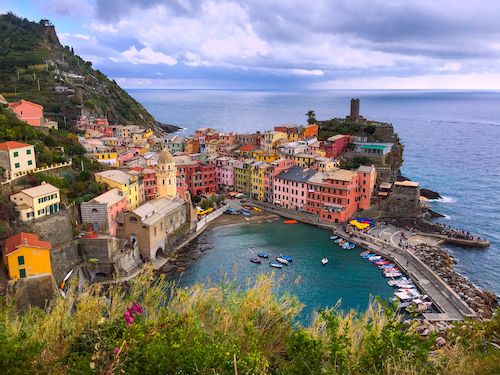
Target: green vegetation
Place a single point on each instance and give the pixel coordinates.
(212, 200)
(311, 117)
(335, 126)
(33, 63)
(219, 329)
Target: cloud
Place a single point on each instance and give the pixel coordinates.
(147, 56)
(69, 8)
(291, 42)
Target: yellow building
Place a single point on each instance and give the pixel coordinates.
(25, 255)
(243, 175)
(304, 160)
(166, 176)
(257, 180)
(110, 158)
(264, 156)
(17, 157)
(270, 139)
(213, 146)
(118, 179)
(38, 201)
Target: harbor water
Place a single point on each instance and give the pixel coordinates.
(450, 139)
(346, 277)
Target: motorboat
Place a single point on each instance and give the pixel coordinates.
(334, 237)
(275, 265)
(245, 209)
(339, 240)
(418, 306)
(324, 261)
(290, 221)
(290, 259)
(345, 245)
(255, 260)
(392, 274)
(262, 255)
(364, 253)
(245, 214)
(400, 281)
(389, 270)
(351, 246)
(282, 260)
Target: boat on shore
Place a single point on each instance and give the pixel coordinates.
(245, 214)
(290, 259)
(262, 255)
(275, 265)
(255, 260)
(324, 261)
(282, 260)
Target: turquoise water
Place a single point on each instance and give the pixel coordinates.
(347, 276)
(451, 141)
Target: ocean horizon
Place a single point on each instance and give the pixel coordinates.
(450, 139)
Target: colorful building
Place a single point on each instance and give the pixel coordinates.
(37, 201)
(28, 112)
(17, 157)
(243, 175)
(269, 140)
(109, 158)
(336, 145)
(25, 255)
(270, 173)
(304, 160)
(150, 186)
(118, 179)
(192, 145)
(101, 213)
(307, 131)
(290, 188)
(257, 180)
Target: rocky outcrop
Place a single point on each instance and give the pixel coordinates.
(429, 194)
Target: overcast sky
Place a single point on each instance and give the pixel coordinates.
(281, 44)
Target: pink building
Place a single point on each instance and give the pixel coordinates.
(311, 149)
(271, 172)
(102, 212)
(336, 145)
(126, 156)
(150, 185)
(28, 112)
(110, 130)
(290, 188)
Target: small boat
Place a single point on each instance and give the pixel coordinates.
(324, 261)
(342, 242)
(275, 265)
(262, 255)
(290, 221)
(390, 270)
(282, 260)
(345, 245)
(364, 253)
(352, 246)
(381, 262)
(257, 209)
(340, 239)
(393, 274)
(255, 260)
(245, 214)
(418, 306)
(334, 237)
(290, 259)
(245, 209)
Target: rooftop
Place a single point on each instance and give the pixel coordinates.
(339, 175)
(296, 174)
(42, 189)
(9, 145)
(406, 183)
(116, 176)
(154, 210)
(365, 169)
(28, 239)
(110, 197)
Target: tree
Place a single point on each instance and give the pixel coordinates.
(311, 117)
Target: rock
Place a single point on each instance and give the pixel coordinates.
(429, 194)
(442, 334)
(180, 269)
(407, 323)
(181, 264)
(440, 341)
(440, 327)
(426, 332)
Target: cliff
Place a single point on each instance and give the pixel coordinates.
(33, 63)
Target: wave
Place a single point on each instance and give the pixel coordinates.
(446, 200)
(181, 130)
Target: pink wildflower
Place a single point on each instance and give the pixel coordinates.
(117, 350)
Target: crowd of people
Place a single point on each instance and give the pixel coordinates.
(456, 233)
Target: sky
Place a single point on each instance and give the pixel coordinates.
(281, 44)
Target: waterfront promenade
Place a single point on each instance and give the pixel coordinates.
(449, 304)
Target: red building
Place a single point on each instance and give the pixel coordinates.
(150, 186)
(336, 145)
(335, 196)
(194, 175)
(31, 113)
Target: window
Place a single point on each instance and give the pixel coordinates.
(30, 162)
(22, 273)
(132, 220)
(16, 154)
(20, 260)
(16, 165)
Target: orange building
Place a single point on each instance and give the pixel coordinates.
(309, 131)
(28, 112)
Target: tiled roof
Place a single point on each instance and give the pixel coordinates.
(12, 243)
(38, 191)
(11, 145)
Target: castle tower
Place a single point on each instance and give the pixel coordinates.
(166, 176)
(354, 110)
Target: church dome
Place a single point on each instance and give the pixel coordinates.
(166, 157)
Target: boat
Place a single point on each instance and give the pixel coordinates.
(375, 258)
(282, 260)
(257, 209)
(390, 270)
(342, 242)
(400, 281)
(345, 245)
(334, 237)
(340, 239)
(351, 246)
(393, 274)
(290, 259)
(290, 221)
(245, 209)
(245, 214)
(381, 262)
(262, 255)
(418, 306)
(364, 253)
(255, 260)
(324, 261)
(275, 265)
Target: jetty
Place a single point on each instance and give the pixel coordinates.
(449, 304)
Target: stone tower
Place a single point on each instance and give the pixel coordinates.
(354, 110)
(166, 176)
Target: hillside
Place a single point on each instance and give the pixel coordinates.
(33, 63)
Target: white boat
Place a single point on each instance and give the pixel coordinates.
(345, 245)
(392, 274)
(324, 261)
(418, 306)
(275, 265)
(282, 260)
(375, 258)
(334, 237)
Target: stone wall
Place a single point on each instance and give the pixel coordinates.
(34, 291)
(56, 228)
(93, 212)
(103, 248)
(404, 202)
(64, 258)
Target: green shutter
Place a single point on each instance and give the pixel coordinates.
(20, 260)
(22, 273)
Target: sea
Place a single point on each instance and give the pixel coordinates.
(451, 145)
